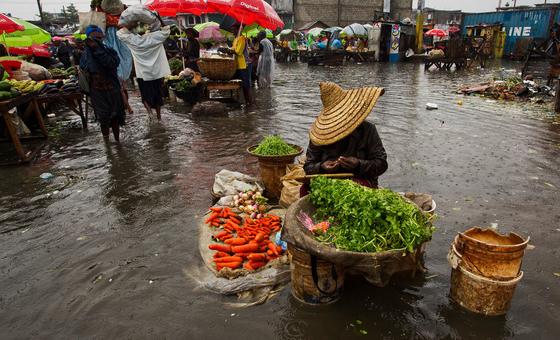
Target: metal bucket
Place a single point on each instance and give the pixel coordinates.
(273, 168)
(490, 254)
(314, 281)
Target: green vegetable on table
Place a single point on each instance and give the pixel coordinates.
(274, 146)
(183, 85)
(367, 220)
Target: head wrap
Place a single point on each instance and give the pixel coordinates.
(91, 29)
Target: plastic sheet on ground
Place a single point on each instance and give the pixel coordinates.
(377, 268)
(251, 287)
(229, 183)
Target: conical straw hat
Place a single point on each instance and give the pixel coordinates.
(343, 111)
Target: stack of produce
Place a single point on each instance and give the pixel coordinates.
(7, 91)
(53, 87)
(243, 242)
(274, 146)
(60, 73)
(367, 220)
(252, 203)
(26, 86)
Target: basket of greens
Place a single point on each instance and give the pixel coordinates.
(274, 154)
(373, 232)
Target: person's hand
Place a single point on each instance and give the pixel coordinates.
(349, 163)
(166, 29)
(330, 166)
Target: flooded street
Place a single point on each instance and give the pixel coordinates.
(108, 248)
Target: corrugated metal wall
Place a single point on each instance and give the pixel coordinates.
(517, 24)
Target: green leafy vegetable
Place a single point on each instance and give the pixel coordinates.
(367, 220)
(274, 146)
(175, 65)
(183, 85)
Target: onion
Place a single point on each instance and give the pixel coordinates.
(253, 215)
(245, 196)
(236, 197)
(259, 216)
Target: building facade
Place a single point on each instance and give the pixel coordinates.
(285, 10)
(345, 12)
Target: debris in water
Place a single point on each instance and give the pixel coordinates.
(151, 281)
(431, 106)
(81, 238)
(363, 331)
(359, 322)
(46, 175)
(494, 225)
(550, 185)
(557, 274)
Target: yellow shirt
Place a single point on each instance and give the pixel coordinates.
(239, 49)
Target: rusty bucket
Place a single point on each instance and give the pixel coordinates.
(482, 295)
(273, 168)
(314, 281)
(488, 253)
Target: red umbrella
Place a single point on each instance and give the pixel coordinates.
(436, 32)
(170, 8)
(453, 29)
(20, 50)
(248, 12)
(36, 50)
(41, 51)
(7, 25)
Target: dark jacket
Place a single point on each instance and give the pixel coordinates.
(101, 63)
(364, 143)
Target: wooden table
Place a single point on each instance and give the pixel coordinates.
(74, 101)
(233, 86)
(6, 106)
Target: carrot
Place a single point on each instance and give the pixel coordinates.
(216, 209)
(220, 254)
(259, 237)
(234, 219)
(279, 249)
(257, 257)
(243, 255)
(215, 223)
(226, 248)
(256, 264)
(228, 259)
(236, 241)
(248, 266)
(272, 247)
(246, 248)
(221, 233)
(228, 236)
(212, 217)
(231, 265)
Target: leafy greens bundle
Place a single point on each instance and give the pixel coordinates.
(367, 220)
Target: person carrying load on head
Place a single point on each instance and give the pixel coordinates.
(342, 141)
(150, 61)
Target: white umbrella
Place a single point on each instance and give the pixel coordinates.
(355, 29)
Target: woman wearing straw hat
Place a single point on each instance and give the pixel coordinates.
(341, 141)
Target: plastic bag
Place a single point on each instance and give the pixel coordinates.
(290, 187)
(36, 72)
(113, 7)
(91, 18)
(229, 183)
(139, 13)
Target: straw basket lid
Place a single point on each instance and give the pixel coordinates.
(343, 111)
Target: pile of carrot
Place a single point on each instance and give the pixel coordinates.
(243, 242)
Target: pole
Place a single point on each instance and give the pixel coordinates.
(338, 14)
(40, 12)
(557, 98)
(499, 4)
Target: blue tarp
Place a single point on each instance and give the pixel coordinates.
(125, 66)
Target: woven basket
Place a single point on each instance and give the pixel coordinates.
(217, 68)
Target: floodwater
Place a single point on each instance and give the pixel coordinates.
(104, 250)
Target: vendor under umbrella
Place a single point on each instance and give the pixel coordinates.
(191, 49)
(341, 141)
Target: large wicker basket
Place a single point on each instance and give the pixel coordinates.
(217, 68)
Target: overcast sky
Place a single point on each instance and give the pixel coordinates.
(27, 9)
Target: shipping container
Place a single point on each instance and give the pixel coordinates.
(527, 23)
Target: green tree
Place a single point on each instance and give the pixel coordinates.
(72, 13)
